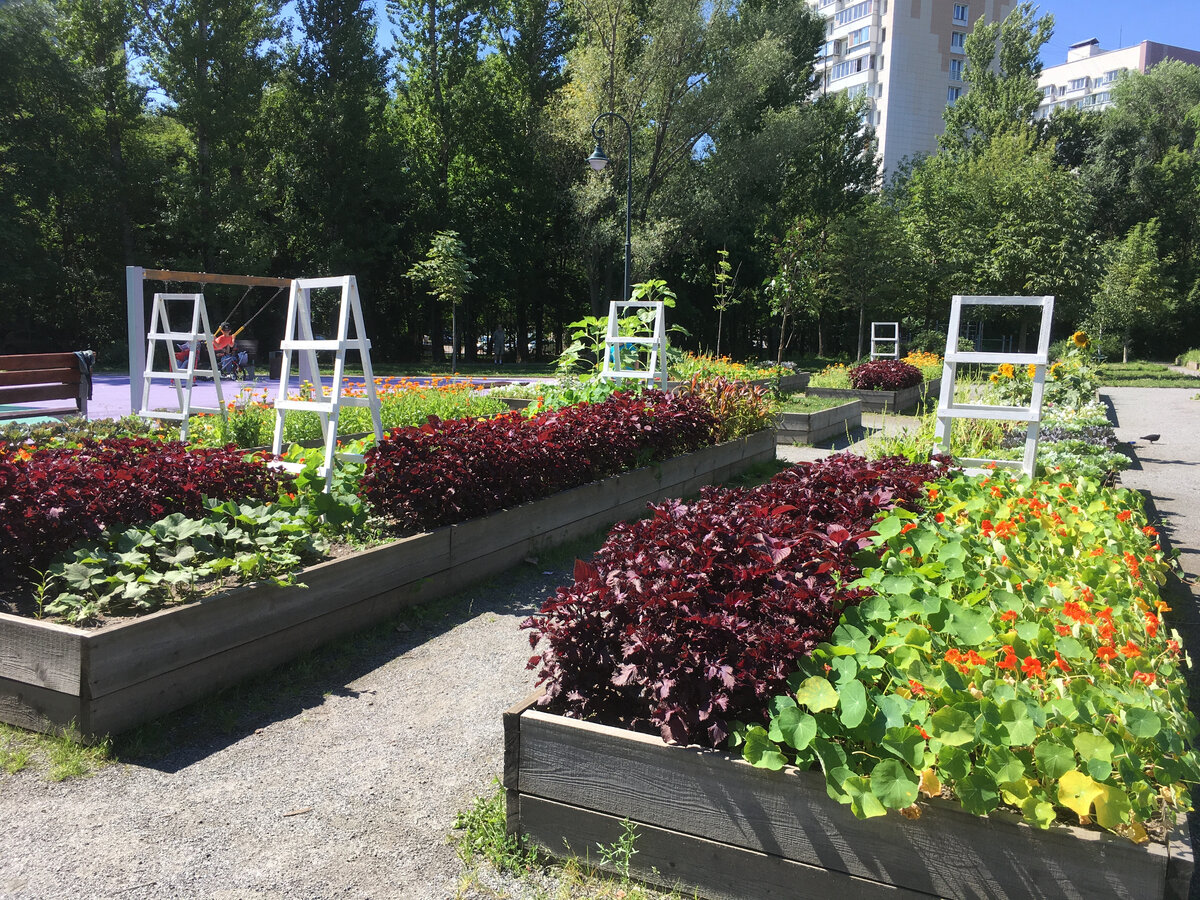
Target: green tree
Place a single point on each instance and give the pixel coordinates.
(447, 270)
(1001, 74)
(1135, 293)
(212, 60)
(724, 296)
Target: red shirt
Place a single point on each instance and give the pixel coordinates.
(222, 341)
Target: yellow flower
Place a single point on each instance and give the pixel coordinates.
(1032, 370)
(993, 378)
(1080, 338)
(1006, 370)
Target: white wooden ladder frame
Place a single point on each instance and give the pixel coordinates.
(298, 338)
(877, 338)
(656, 369)
(948, 410)
(182, 379)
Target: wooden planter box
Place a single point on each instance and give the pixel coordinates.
(712, 824)
(808, 428)
(884, 401)
(111, 679)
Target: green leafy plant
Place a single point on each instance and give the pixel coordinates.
(723, 292)
(484, 833)
(619, 854)
(1013, 654)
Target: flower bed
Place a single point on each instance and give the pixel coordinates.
(884, 401)
(834, 419)
(115, 677)
(1006, 650)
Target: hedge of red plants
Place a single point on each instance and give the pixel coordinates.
(700, 613)
(450, 471)
(885, 375)
(52, 499)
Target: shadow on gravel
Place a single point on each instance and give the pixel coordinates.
(208, 726)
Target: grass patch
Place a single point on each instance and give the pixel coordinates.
(803, 403)
(1144, 374)
(54, 757)
(481, 840)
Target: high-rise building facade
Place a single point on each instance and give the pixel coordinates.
(1085, 80)
(906, 57)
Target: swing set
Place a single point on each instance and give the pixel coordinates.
(298, 342)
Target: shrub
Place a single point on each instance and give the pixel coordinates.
(451, 471)
(54, 498)
(699, 613)
(885, 375)
(740, 408)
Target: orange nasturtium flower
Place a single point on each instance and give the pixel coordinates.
(1123, 515)
(1008, 616)
(1010, 659)
(1106, 653)
(1131, 649)
(1032, 667)
(1146, 678)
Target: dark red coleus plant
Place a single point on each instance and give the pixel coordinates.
(885, 375)
(698, 614)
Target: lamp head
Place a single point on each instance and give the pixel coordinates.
(598, 160)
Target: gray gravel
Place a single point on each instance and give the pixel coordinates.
(372, 751)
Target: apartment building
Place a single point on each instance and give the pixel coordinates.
(1085, 80)
(906, 57)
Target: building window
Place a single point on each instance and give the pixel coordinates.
(958, 41)
(853, 13)
(858, 38)
(960, 12)
(1102, 97)
(851, 67)
(1077, 84)
(856, 90)
(1110, 77)
(953, 94)
(956, 69)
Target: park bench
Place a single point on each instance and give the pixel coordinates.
(32, 377)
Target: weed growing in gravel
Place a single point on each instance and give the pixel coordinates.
(56, 757)
(484, 834)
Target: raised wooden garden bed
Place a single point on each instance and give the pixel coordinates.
(808, 428)
(709, 823)
(884, 401)
(113, 678)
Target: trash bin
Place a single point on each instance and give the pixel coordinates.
(275, 365)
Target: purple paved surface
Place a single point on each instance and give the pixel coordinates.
(110, 393)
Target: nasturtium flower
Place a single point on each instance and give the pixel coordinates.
(1131, 649)
(1106, 653)
(1123, 515)
(1009, 616)
(1146, 678)
(1032, 667)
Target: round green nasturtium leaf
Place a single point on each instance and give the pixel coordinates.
(853, 698)
(796, 728)
(954, 763)
(863, 803)
(1004, 765)
(978, 793)
(817, 694)
(760, 751)
(907, 744)
(1038, 813)
(1054, 759)
(971, 627)
(1093, 746)
(1070, 648)
(952, 726)
(1014, 715)
(893, 784)
(845, 667)
(1142, 723)
(888, 527)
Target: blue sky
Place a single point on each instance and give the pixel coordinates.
(1120, 23)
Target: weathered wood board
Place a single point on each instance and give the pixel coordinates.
(559, 771)
(808, 428)
(113, 678)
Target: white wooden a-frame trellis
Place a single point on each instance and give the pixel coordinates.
(618, 348)
(298, 338)
(198, 335)
(948, 410)
(885, 340)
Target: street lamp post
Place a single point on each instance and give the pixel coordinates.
(598, 160)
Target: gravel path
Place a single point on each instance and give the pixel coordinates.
(340, 776)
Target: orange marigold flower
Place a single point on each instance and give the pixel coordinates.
(1032, 667)
(1106, 653)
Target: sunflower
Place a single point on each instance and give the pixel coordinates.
(1081, 339)
(1006, 370)
(993, 378)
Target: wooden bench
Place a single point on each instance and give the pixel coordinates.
(43, 376)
